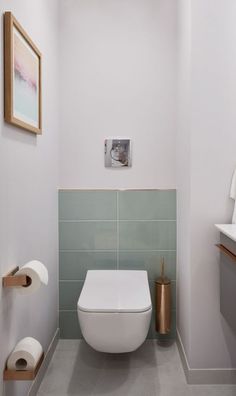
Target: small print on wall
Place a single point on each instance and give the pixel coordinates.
(117, 153)
(22, 77)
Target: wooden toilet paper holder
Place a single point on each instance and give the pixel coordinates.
(22, 375)
(12, 279)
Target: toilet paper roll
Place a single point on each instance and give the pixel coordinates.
(37, 274)
(26, 355)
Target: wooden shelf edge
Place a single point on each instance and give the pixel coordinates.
(12, 279)
(20, 375)
(226, 251)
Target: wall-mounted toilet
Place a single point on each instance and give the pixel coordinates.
(114, 310)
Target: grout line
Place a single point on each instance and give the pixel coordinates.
(147, 220)
(148, 250)
(121, 220)
(88, 221)
(87, 251)
(118, 231)
(114, 189)
(114, 251)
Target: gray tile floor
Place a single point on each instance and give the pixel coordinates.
(152, 370)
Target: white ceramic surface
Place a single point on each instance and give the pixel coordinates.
(115, 332)
(114, 310)
(228, 229)
(115, 291)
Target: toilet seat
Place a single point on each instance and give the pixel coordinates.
(115, 291)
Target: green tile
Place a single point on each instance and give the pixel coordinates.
(74, 265)
(152, 334)
(147, 235)
(69, 292)
(88, 236)
(149, 261)
(87, 205)
(147, 205)
(69, 325)
(153, 294)
(134, 236)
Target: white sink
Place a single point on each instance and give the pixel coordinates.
(228, 229)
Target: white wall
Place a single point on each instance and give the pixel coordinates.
(28, 195)
(208, 340)
(183, 173)
(118, 78)
(118, 73)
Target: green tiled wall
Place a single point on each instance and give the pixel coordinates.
(106, 229)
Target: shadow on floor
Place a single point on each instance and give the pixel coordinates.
(103, 373)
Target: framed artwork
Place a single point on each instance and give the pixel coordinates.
(117, 153)
(22, 73)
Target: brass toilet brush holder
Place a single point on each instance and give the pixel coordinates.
(163, 302)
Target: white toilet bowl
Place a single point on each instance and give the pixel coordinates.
(114, 310)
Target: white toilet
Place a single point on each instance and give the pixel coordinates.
(114, 310)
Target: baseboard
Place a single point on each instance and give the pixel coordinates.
(204, 376)
(48, 355)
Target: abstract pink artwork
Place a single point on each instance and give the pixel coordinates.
(26, 81)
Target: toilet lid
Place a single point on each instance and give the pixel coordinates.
(115, 291)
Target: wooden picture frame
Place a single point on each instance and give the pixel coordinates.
(22, 77)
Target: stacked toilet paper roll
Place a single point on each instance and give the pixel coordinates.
(37, 274)
(25, 355)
